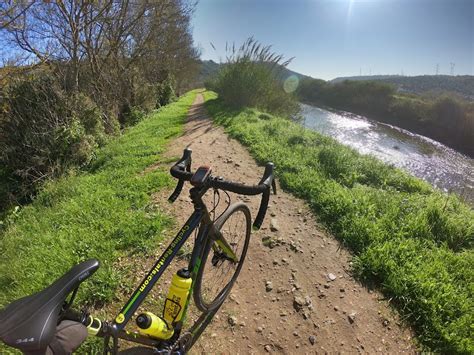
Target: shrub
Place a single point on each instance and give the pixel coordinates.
(43, 132)
(130, 115)
(90, 116)
(250, 79)
(165, 93)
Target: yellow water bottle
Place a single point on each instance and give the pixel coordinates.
(153, 326)
(177, 297)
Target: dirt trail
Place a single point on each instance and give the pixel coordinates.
(301, 310)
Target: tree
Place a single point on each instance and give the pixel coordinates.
(105, 46)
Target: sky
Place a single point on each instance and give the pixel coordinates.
(332, 38)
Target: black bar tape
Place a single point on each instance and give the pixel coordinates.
(262, 210)
(176, 191)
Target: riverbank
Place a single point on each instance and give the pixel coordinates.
(441, 166)
(412, 241)
(445, 118)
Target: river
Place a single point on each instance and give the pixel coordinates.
(423, 157)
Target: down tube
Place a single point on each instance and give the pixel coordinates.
(155, 273)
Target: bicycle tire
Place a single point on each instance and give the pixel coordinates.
(203, 302)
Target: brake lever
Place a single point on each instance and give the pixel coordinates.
(179, 187)
(176, 191)
(274, 186)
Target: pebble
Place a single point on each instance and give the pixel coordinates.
(274, 225)
(268, 348)
(268, 286)
(331, 277)
(312, 339)
(232, 320)
(298, 303)
(259, 330)
(351, 317)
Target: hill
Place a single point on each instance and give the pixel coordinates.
(462, 85)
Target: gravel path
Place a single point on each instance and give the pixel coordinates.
(295, 293)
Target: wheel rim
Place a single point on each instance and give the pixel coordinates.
(219, 270)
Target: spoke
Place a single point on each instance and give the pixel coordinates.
(218, 269)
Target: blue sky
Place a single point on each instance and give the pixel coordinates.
(331, 38)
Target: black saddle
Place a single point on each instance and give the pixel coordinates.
(29, 323)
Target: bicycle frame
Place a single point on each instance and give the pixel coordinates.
(200, 216)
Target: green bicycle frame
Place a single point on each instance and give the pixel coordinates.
(200, 217)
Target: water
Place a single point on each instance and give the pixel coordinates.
(423, 157)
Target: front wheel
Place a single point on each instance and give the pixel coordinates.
(223, 258)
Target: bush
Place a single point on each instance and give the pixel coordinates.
(165, 93)
(43, 132)
(250, 79)
(90, 116)
(130, 115)
(408, 110)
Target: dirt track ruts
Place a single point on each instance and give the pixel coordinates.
(340, 315)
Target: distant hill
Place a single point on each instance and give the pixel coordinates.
(208, 69)
(287, 72)
(462, 85)
(364, 77)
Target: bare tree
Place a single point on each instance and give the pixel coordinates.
(109, 41)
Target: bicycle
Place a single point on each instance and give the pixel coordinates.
(29, 323)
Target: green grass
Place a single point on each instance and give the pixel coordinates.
(409, 239)
(104, 213)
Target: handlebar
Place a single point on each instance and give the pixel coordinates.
(182, 171)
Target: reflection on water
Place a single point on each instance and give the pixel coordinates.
(423, 157)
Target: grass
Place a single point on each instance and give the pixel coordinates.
(411, 240)
(103, 213)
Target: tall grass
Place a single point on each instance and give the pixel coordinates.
(249, 78)
(104, 213)
(411, 240)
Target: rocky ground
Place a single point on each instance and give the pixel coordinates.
(295, 293)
